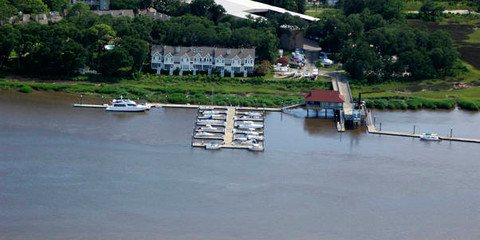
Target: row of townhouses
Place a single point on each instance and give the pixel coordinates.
(208, 59)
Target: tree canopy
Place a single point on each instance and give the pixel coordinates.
(376, 44)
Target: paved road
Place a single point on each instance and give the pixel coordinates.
(312, 51)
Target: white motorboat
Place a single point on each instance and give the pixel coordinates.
(256, 147)
(211, 112)
(252, 137)
(240, 139)
(248, 125)
(210, 122)
(253, 114)
(251, 133)
(204, 134)
(126, 105)
(213, 146)
(209, 127)
(429, 137)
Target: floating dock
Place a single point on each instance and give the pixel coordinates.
(228, 139)
(371, 129)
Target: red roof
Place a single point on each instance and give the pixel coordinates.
(324, 96)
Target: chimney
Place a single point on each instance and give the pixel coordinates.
(177, 49)
(228, 51)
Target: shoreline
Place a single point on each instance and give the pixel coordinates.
(154, 93)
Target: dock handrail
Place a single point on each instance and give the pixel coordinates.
(301, 103)
(349, 92)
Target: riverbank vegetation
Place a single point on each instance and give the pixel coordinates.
(254, 92)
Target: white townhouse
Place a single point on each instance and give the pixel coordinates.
(209, 59)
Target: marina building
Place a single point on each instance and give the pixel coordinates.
(324, 99)
(206, 59)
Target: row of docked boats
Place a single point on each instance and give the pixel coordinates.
(210, 125)
(249, 130)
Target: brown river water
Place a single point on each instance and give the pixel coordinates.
(69, 173)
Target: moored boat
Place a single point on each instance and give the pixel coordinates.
(429, 137)
(256, 147)
(204, 134)
(212, 146)
(126, 105)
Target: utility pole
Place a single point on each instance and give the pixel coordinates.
(212, 96)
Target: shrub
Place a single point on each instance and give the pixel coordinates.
(468, 105)
(380, 103)
(445, 104)
(25, 89)
(397, 105)
(414, 103)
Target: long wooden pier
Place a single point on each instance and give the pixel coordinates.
(371, 129)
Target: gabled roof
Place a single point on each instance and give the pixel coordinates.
(324, 96)
(203, 51)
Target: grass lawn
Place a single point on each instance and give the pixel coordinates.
(186, 89)
(474, 37)
(449, 5)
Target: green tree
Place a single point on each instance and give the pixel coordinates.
(361, 61)
(170, 7)
(138, 49)
(56, 5)
(30, 6)
(124, 4)
(6, 11)
(430, 10)
(389, 9)
(116, 62)
(79, 9)
(9, 37)
(102, 34)
(201, 7)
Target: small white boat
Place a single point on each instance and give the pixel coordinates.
(258, 138)
(212, 146)
(210, 122)
(256, 147)
(206, 108)
(204, 134)
(251, 133)
(243, 139)
(429, 137)
(253, 114)
(208, 127)
(248, 125)
(211, 112)
(125, 105)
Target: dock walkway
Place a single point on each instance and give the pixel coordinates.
(228, 135)
(371, 129)
(228, 138)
